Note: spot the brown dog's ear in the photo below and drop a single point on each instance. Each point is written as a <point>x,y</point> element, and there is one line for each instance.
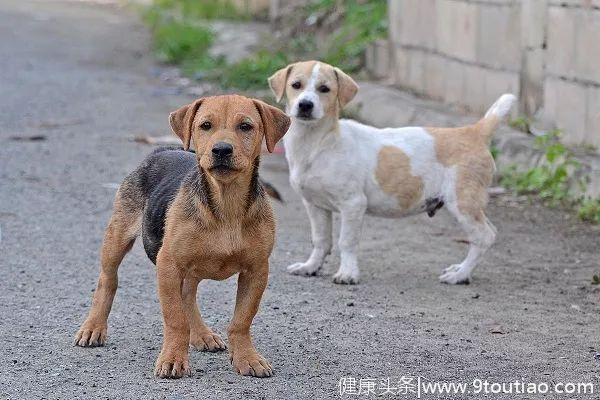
<point>347,88</point>
<point>278,80</point>
<point>274,121</point>
<point>181,122</point>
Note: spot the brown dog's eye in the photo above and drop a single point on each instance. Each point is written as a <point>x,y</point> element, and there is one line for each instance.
<point>296,85</point>
<point>245,127</point>
<point>323,89</point>
<point>205,126</point>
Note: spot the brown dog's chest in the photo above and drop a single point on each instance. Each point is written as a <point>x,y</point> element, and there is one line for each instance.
<point>221,252</point>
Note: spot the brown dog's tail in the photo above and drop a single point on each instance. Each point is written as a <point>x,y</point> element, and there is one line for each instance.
<point>496,113</point>
<point>271,191</point>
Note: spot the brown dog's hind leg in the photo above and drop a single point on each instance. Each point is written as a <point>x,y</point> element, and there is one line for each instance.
<point>202,338</point>
<point>119,237</point>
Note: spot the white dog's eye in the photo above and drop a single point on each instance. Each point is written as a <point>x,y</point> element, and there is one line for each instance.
<point>324,89</point>
<point>205,126</point>
<point>296,85</point>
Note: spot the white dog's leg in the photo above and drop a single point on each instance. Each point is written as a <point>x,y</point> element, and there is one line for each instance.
<point>320,227</point>
<point>481,234</point>
<point>352,218</point>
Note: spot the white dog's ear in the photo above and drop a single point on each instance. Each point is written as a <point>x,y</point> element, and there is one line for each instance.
<point>278,80</point>
<point>181,121</point>
<point>347,88</point>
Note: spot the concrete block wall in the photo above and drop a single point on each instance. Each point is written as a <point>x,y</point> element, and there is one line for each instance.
<point>572,81</point>
<point>467,52</point>
<point>447,49</point>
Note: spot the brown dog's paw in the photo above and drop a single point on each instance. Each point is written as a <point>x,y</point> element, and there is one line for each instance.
<point>252,364</point>
<point>207,341</point>
<point>172,366</point>
<point>91,335</point>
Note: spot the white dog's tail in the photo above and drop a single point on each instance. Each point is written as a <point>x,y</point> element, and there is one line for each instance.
<point>497,112</point>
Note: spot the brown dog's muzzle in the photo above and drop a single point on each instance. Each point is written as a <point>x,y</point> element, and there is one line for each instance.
<point>222,154</point>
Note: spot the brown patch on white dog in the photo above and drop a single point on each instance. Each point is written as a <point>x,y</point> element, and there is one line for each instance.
<point>466,149</point>
<point>395,177</point>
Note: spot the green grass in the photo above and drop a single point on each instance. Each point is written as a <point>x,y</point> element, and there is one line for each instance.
<point>199,9</point>
<point>179,42</point>
<point>252,72</point>
<point>181,37</point>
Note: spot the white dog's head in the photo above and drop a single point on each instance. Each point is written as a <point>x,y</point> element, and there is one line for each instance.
<point>314,90</point>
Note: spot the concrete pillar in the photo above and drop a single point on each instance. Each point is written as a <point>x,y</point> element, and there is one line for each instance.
<point>534,15</point>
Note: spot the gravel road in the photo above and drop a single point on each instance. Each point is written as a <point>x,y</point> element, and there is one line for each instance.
<point>81,76</point>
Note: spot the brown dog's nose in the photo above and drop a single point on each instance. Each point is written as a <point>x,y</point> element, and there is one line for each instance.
<point>222,150</point>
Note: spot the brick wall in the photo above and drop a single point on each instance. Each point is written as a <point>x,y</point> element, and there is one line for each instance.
<point>467,52</point>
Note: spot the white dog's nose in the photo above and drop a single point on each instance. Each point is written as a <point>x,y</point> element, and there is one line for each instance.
<point>306,106</point>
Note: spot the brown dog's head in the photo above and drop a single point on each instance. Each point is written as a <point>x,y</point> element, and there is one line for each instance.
<point>227,132</point>
<point>313,89</point>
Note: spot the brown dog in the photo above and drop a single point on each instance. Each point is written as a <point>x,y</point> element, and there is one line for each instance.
<point>201,217</point>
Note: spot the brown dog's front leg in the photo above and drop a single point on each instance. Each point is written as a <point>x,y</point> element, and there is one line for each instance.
<point>244,357</point>
<point>173,361</point>
<point>201,336</point>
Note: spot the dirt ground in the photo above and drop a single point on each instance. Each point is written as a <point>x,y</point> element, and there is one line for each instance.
<point>82,76</point>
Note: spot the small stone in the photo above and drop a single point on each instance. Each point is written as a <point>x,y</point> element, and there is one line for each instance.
<point>498,330</point>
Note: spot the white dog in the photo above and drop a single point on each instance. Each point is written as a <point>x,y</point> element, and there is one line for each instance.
<point>351,168</point>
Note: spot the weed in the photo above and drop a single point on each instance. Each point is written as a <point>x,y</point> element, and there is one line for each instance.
<point>520,123</point>
<point>550,180</point>
<point>589,210</point>
<point>495,151</point>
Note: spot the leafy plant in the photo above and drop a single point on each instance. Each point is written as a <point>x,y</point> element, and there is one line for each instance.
<point>362,22</point>
<point>551,180</point>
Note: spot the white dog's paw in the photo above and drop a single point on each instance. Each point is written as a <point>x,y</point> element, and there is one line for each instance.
<point>455,275</point>
<point>304,269</point>
<point>346,278</point>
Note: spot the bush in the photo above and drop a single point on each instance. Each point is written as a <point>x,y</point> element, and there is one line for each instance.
<point>176,42</point>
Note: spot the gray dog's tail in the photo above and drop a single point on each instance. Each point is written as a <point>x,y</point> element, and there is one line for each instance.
<point>271,191</point>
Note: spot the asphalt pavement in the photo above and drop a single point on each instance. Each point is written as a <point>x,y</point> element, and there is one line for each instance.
<point>77,82</point>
